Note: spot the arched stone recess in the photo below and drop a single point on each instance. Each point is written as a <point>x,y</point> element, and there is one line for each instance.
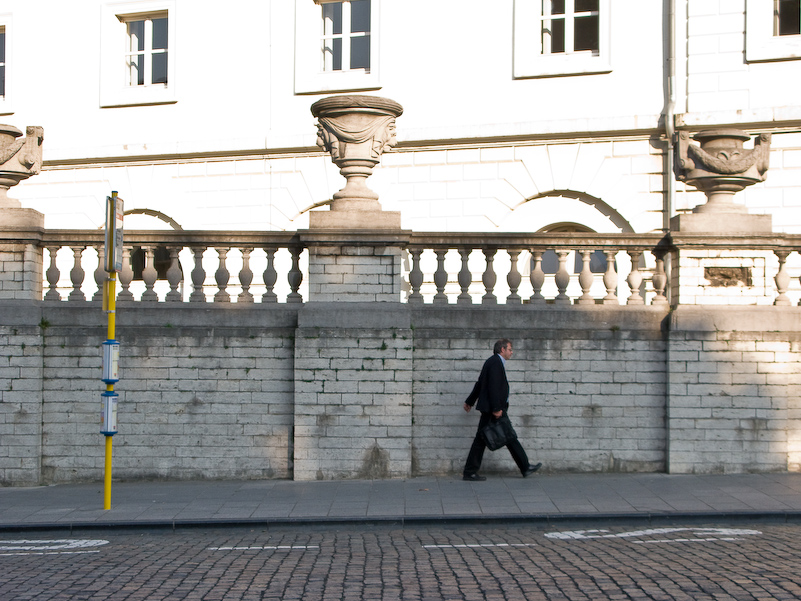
<point>545,209</point>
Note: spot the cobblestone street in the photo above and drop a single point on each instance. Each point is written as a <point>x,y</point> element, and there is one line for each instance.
<point>517,562</point>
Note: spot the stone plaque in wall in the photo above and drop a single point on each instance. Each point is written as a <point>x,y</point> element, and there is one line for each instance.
<point>728,276</point>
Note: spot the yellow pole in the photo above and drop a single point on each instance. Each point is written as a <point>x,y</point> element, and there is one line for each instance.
<point>111,305</point>
<point>107,481</point>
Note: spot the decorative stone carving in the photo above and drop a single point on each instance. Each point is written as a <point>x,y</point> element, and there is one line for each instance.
<point>356,131</point>
<point>19,159</point>
<point>720,167</point>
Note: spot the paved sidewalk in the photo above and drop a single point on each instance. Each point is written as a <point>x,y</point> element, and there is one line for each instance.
<point>541,497</point>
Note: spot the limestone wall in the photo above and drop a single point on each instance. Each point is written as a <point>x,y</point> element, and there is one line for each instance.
<point>358,390</point>
<point>734,386</point>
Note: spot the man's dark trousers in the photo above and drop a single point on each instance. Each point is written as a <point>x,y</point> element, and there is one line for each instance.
<point>477,449</point>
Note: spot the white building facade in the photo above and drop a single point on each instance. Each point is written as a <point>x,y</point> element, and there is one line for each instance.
<point>519,115</point>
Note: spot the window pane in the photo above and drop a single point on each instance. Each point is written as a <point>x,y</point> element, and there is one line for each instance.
<point>586,33</point>
<point>136,34</point>
<point>557,7</point>
<point>160,67</point>
<point>360,16</point>
<point>136,63</point>
<point>557,36</point>
<point>789,20</point>
<point>159,34</point>
<point>360,52</point>
<point>586,6</point>
<point>332,18</point>
<point>336,63</point>
<point>2,46</point>
<point>3,80</point>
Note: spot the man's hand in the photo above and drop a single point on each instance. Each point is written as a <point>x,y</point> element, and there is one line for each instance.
<point>467,407</point>
<point>497,414</point>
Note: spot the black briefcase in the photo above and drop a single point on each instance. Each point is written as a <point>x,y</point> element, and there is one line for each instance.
<point>498,433</point>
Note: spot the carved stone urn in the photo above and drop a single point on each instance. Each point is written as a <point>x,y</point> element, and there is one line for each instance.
<point>19,159</point>
<point>355,131</point>
<point>720,167</point>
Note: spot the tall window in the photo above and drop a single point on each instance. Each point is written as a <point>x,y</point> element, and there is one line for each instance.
<point>146,53</point>
<point>138,52</point>
<point>337,45</point>
<point>787,17</point>
<point>570,26</point>
<point>561,37</point>
<point>346,35</point>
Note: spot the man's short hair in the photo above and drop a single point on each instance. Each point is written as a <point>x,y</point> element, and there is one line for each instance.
<point>500,345</point>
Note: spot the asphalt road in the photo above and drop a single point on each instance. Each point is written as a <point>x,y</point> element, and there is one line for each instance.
<point>715,561</point>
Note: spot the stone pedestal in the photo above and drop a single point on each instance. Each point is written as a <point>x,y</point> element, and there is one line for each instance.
<point>20,229</point>
<point>355,248</point>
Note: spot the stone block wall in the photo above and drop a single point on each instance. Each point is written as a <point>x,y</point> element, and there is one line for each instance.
<point>354,274</point>
<point>20,394</point>
<point>354,369</point>
<point>734,382</point>
<point>375,390</point>
<point>587,386</point>
<point>723,277</point>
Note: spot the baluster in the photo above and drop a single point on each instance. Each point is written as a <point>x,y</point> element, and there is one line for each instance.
<point>245,277</point>
<point>149,276</point>
<point>513,278</point>
<point>465,278</point>
<point>635,279</point>
<point>585,279</point>
<point>537,278</point>
<point>198,276</point>
<point>782,278</point>
<point>76,275</point>
<point>440,277</point>
<point>562,278</point>
<point>221,276</point>
<point>174,276</point>
<point>100,273</point>
<point>489,278</point>
<point>659,279</point>
<point>416,276</point>
<point>295,276</point>
<point>610,278</point>
<point>53,275</point>
<point>270,277</point>
<point>126,276</point>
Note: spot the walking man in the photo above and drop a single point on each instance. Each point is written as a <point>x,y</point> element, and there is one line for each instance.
<point>492,393</point>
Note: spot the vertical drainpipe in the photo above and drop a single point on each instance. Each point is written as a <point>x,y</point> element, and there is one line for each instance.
<point>670,76</point>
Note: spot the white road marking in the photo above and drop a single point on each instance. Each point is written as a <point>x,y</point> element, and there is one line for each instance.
<point>265,548</point>
<point>701,535</point>
<point>49,547</point>
<point>483,545</point>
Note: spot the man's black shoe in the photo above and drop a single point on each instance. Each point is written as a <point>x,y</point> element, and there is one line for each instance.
<point>473,478</point>
<point>531,469</point>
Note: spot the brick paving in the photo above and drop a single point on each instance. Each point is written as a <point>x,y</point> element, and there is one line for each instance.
<point>476,561</point>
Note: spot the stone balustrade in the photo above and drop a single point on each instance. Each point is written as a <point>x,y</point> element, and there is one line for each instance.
<point>158,265</point>
<point>437,268</point>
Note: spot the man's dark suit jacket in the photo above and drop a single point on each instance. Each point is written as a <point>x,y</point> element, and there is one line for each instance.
<point>492,387</point>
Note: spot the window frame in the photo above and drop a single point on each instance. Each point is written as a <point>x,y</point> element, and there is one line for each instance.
<point>115,87</point>
<point>761,44</point>
<point>310,74</point>
<point>530,61</point>
<point>5,100</point>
